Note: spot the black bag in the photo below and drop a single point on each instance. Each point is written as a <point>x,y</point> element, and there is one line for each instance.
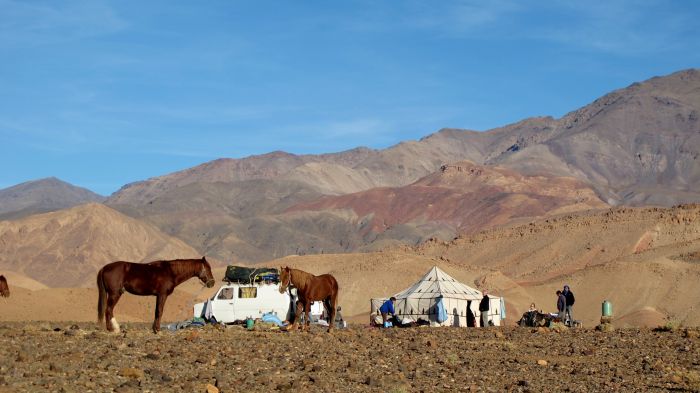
<point>249,275</point>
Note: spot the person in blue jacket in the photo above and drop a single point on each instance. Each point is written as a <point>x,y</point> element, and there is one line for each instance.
<point>386,309</point>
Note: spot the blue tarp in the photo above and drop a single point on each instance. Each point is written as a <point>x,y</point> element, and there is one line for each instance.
<point>269,317</point>
<point>194,322</point>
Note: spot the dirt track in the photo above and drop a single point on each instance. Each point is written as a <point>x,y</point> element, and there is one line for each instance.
<point>58,357</point>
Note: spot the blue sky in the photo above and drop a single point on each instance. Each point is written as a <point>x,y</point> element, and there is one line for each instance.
<point>103,93</point>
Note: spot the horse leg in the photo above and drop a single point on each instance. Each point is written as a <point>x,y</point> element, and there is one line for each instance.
<point>297,316</point>
<point>160,305</point>
<point>307,308</point>
<point>110,321</point>
<point>327,307</point>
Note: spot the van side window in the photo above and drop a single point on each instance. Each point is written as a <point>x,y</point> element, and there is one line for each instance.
<point>247,292</point>
<point>226,294</point>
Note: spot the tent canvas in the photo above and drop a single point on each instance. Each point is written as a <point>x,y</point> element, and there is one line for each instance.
<point>420,301</point>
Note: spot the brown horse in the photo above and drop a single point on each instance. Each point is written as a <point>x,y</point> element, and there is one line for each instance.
<point>310,288</point>
<point>157,278</point>
<point>4,288</point>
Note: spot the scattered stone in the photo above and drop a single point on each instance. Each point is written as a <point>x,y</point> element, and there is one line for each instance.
<point>211,388</point>
<point>357,359</point>
<point>691,334</point>
<point>131,372</point>
<point>21,357</point>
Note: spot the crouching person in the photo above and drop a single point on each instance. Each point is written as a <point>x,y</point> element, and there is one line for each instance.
<point>386,310</point>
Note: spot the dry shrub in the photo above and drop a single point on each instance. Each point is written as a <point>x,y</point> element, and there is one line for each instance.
<point>671,325</point>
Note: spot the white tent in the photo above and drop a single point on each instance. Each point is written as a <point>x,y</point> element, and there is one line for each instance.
<point>420,301</point>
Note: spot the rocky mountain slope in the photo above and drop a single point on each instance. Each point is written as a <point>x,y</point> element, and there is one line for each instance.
<point>41,196</point>
<point>630,145</point>
<point>643,260</point>
<point>66,248</point>
<point>463,197</point>
<point>636,146</point>
<point>256,220</point>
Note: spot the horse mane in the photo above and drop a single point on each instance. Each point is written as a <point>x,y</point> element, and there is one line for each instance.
<point>184,266</point>
<point>303,277</point>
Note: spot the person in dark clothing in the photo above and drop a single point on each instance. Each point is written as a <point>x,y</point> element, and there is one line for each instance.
<point>386,309</point>
<point>484,306</point>
<point>561,305</point>
<point>569,304</point>
<point>471,320</point>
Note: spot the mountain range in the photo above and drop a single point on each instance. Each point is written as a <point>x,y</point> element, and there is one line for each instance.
<point>636,146</point>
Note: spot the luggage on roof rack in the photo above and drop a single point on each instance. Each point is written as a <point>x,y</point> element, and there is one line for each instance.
<point>250,275</point>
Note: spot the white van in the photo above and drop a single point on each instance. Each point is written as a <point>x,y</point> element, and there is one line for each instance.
<point>235,302</point>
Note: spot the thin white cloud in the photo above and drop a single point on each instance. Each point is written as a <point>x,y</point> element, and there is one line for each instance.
<point>625,27</point>
<point>459,16</point>
<point>621,26</point>
<point>352,128</point>
<point>25,23</point>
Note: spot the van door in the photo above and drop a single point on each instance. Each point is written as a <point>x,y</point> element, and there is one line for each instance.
<point>247,303</point>
<point>223,305</point>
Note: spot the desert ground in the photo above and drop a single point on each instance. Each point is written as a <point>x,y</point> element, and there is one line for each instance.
<point>80,357</point>
<point>645,261</point>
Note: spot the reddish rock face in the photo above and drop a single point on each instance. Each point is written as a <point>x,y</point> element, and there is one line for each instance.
<point>466,197</point>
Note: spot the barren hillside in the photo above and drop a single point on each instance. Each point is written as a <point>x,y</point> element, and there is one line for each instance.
<point>67,247</point>
<point>640,259</point>
<point>41,196</point>
<point>80,304</point>
<point>639,145</point>
<point>463,197</point>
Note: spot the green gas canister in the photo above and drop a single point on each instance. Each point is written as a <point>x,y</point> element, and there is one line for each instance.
<point>607,308</point>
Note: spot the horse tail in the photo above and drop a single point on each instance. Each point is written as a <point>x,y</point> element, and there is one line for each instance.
<point>102,297</point>
<point>334,295</point>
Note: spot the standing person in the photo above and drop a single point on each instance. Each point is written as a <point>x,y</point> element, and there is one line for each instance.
<point>339,321</point>
<point>484,306</point>
<point>569,304</point>
<point>386,309</point>
<point>561,305</point>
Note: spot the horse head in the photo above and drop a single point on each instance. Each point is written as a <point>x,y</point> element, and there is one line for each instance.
<point>205,275</point>
<point>285,278</point>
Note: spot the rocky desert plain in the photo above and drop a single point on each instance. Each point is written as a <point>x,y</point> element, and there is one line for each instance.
<point>604,199</point>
